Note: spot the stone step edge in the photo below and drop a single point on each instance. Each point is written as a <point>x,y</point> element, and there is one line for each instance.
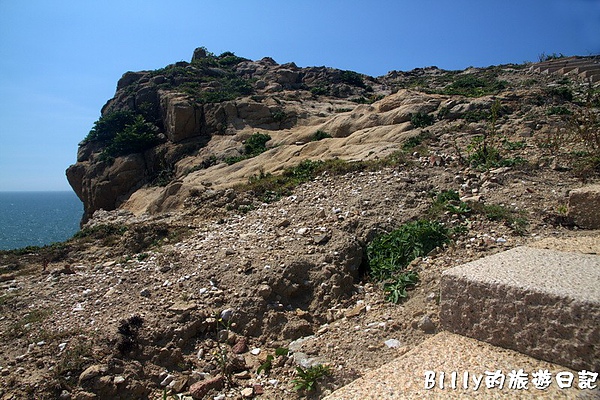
<point>405,377</point>
<point>515,299</point>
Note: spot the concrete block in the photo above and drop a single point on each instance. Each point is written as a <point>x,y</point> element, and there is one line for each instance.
<point>542,303</point>
<point>584,207</point>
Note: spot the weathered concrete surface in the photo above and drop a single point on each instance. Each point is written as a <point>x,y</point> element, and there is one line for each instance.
<point>584,206</point>
<point>404,378</point>
<point>543,303</point>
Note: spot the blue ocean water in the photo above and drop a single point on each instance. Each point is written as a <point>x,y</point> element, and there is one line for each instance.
<point>37,218</point>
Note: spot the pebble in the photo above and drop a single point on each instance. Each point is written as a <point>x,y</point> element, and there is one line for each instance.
<point>392,343</point>
<point>247,392</point>
<point>255,351</point>
<point>227,314</point>
<point>426,325</point>
<point>168,379</point>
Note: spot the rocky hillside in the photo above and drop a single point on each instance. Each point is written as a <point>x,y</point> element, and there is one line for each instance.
<point>242,217</point>
<point>177,131</point>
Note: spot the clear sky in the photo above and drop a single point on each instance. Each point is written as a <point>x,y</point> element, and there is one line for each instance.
<point>60,60</point>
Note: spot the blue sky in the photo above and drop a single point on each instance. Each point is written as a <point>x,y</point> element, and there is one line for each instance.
<point>60,60</point>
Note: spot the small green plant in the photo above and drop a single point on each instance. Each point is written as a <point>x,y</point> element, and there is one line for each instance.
<point>558,110</point>
<point>415,141</point>
<point>23,325</point>
<point>395,290</point>
<point>268,364</point>
<point>476,115</point>
<point>560,93</point>
<point>484,153</point>
<point>320,135</point>
<point>421,120</point>
<point>222,356</point>
<point>495,212</point>
<point>447,200</point>
<point>388,255</point>
<point>307,378</point>
<point>508,145</point>
<point>73,360</point>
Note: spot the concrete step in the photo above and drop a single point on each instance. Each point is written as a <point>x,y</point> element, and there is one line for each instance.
<point>592,74</point>
<point>410,376</point>
<point>543,303</point>
<point>556,65</point>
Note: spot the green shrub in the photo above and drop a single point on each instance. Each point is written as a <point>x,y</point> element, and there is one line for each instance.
<point>279,116</point>
<point>352,78</point>
<point>417,140</point>
<point>421,120</point>
<point>471,85</point>
<point>319,90</point>
<point>228,59</point>
<point>320,135</point>
<point>256,144</point>
<point>135,137</point>
<point>107,126</point>
<point>390,254</point>
<point>560,93</point>
<point>123,132</point>
<point>107,233</point>
<point>476,115</point>
<point>482,154</point>
<point>231,88</point>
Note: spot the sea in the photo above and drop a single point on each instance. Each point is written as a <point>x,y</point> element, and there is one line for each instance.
<point>37,218</point>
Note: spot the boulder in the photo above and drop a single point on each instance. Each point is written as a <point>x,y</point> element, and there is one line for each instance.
<point>128,78</point>
<point>103,186</point>
<point>199,389</point>
<point>182,118</point>
<point>199,53</point>
<point>584,207</point>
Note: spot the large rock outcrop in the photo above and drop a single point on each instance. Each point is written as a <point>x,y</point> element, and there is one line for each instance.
<point>187,104</point>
